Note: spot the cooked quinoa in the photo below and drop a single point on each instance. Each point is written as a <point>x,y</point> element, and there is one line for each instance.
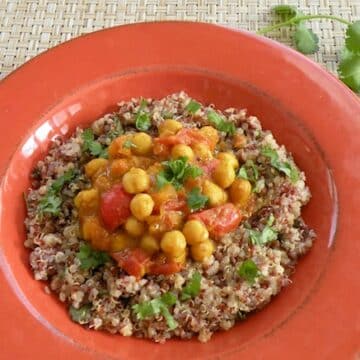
<point>103,298</point>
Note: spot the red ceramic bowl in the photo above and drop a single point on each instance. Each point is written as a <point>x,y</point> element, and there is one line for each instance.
<point>307,109</point>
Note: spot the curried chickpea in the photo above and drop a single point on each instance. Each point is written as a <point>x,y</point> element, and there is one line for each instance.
<point>93,231</point>
<point>180,150</point>
<point>195,232</point>
<point>135,181</point>
<point>169,127</point>
<point>141,206</point>
<point>87,200</point>
<point>119,167</point>
<point>149,244</point>
<point>224,174</point>
<point>240,192</point>
<point>93,166</point>
<point>239,141</point>
<point>121,241</point>
<point>216,195</point>
<point>180,258</point>
<point>229,157</point>
<point>202,251</point>
<point>211,133</point>
<point>142,143</point>
<point>134,227</point>
<point>202,151</point>
<point>173,243</point>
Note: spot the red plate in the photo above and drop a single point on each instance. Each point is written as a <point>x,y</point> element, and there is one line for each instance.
<point>308,110</point>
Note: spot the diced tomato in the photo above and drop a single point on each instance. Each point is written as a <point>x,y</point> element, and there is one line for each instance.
<point>174,204</point>
<point>219,220</point>
<point>209,166</point>
<point>133,261</point>
<point>185,136</point>
<point>164,268</point>
<point>115,207</point>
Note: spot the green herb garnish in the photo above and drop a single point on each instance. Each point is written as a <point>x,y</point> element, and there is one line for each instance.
<point>81,315</point>
<point>51,202</point>
<point>306,41</point>
<point>192,107</point>
<point>192,288</point>
<point>91,259</point>
<point>196,200</point>
<point>142,118</point>
<point>91,145</point>
<point>157,306</point>
<point>128,144</point>
<point>220,123</point>
<point>249,271</point>
<point>267,234</point>
<point>249,171</point>
<point>283,166</point>
<point>175,172</point>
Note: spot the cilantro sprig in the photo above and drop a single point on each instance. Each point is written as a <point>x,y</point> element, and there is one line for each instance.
<point>267,234</point>
<point>91,259</point>
<point>51,202</point>
<point>220,123</point>
<point>192,107</point>
<point>196,200</point>
<point>306,41</point>
<point>157,306</point>
<point>192,288</point>
<point>92,146</point>
<point>249,271</point>
<point>283,166</point>
<point>142,118</point>
<point>175,172</point>
<point>249,171</point>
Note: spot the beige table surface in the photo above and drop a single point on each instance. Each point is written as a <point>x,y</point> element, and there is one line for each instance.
<point>28,27</point>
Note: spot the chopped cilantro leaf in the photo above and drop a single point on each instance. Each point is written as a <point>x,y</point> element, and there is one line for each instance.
<point>81,315</point>
<point>91,259</point>
<point>192,288</point>
<point>248,271</point>
<point>249,171</point>
<point>282,166</point>
<point>90,144</point>
<point>142,121</point>
<point>196,200</point>
<point>268,234</point>
<point>219,122</point>
<point>117,128</point>
<point>157,306</point>
<point>175,172</point>
<point>192,107</point>
<point>128,144</point>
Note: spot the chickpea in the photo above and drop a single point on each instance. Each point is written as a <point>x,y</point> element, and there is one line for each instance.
<point>102,183</point>
<point>240,191</point>
<point>224,174</point>
<point>180,259</point>
<point>134,227</point>
<point>202,251</point>
<point>169,127</point>
<point>93,231</point>
<point>180,150</point>
<point>195,232</point>
<point>173,243</point>
<point>211,133</point>
<point>141,206</point>
<point>117,149</point>
<point>150,244</point>
<point>136,180</point>
<point>202,151</point>
<point>93,166</point>
<point>122,241</point>
<point>216,195</point>
<point>229,157</point>
<point>142,143</point>
<point>87,200</point>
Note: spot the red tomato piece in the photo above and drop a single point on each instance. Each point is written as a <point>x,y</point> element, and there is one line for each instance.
<point>219,220</point>
<point>133,261</point>
<point>166,268</point>
<point>115,207</point>
<point>174,204</point>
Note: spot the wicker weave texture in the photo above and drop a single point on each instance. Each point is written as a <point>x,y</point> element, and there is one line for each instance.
<point>28,27</point>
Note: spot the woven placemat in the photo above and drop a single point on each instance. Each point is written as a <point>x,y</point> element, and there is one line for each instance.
<point>28,27</point>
